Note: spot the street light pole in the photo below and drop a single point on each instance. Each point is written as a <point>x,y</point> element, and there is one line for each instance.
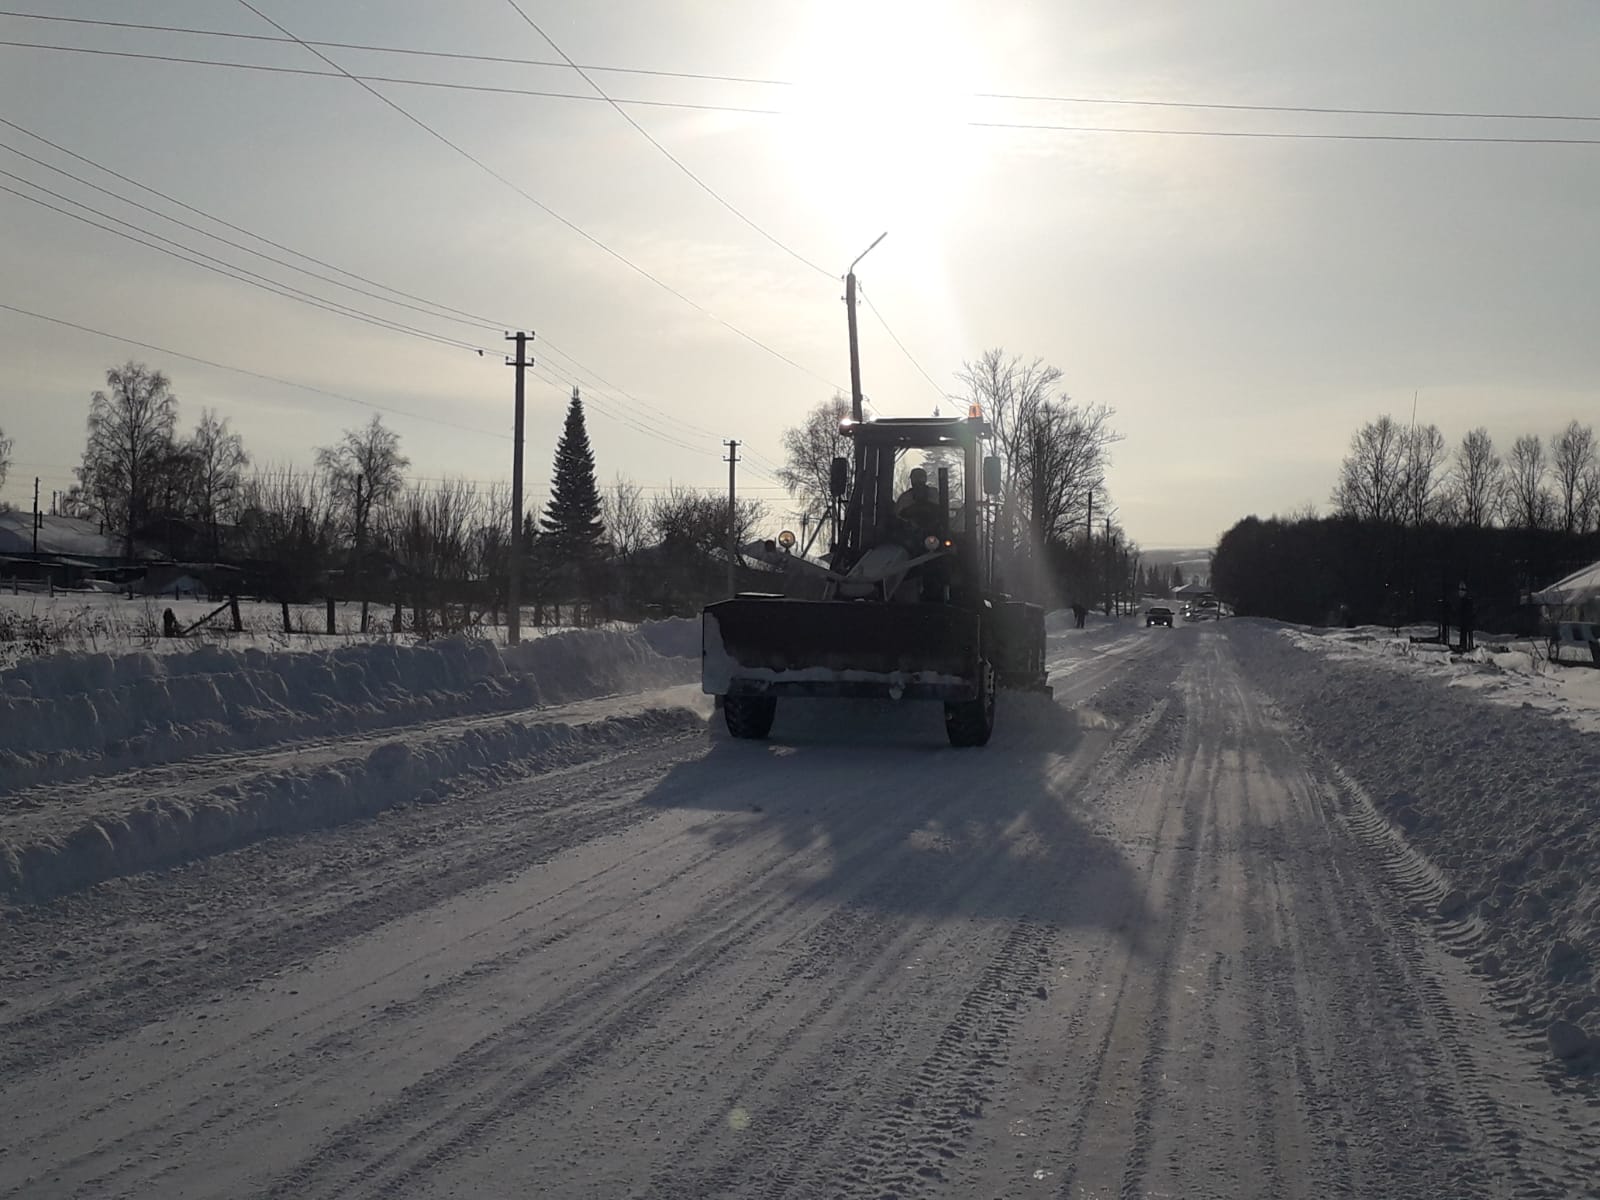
<point>855,351</point>
<point>859,456</point>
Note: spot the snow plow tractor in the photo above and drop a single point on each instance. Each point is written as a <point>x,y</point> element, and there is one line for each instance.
<point>900,607</point>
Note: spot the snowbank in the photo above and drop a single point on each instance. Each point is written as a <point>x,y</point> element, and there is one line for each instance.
<point>67,715</point>
<point>1502,670</point>
<point>678,637</point>
<point>1503,799</point>
<point>160,831</point>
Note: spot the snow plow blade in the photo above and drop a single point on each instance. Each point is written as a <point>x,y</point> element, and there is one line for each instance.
<point>830,648</point>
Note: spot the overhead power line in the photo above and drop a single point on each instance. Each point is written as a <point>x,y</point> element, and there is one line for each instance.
<point>712,77</point>
<point>910,358</point>
<point>199,212</point>
<point>670,157</point>
<point>581,372</point>
<point>222,366</point>
<point>543,207</point>
<point>1293,135</point>
<point>207,262</point>
<point>268,69</point>
<point>407,50</point>
<point>282,262</point>
<point>1290,135</point>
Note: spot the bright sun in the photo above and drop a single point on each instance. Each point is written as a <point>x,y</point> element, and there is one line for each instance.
<point>877,133</point>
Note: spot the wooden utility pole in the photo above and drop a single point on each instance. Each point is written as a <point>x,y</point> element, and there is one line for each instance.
<point>860,455</point>
<point>1108,566</point>
<point>514,583</point>
<point>733,517</point>
<point>1088,550</point>
<point>36,515</point>
<point>361,562</point>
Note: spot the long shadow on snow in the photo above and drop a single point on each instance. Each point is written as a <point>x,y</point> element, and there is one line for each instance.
<point>909,825</point>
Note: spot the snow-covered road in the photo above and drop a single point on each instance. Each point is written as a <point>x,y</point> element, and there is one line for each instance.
<point>1147,943</point>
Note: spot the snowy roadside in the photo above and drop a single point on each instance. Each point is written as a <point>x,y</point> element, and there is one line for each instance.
<point>1499,793</point>
<point>66,716</point>
<point>64,848</point>
<point>1502,670</point>
<point>453,712</point>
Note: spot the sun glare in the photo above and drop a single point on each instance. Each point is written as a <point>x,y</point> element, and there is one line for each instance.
<point>878,134</point>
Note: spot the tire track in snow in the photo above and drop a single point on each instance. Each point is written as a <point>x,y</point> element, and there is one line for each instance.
<point>752,907</point>
<point>34,1040</point>
<point>1421,1045</point>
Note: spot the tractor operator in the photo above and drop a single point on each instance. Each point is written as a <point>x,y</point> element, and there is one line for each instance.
<point>918,506</point>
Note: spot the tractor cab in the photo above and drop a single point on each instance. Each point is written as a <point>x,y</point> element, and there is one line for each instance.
<point>900,607</point>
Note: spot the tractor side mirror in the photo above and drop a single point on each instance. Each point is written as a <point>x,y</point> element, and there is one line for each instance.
<point>838,477</point>
<point>991,475</point>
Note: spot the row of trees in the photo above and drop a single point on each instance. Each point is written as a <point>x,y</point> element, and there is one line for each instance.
<point>1342,570</point>
<point>1399,474</point>
<point>355,525</point>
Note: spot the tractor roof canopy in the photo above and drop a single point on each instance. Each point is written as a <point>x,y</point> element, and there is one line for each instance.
<point>917,431</point>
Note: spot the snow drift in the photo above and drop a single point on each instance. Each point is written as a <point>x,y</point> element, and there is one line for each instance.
<point>161,831</point>
<point>73,715</point>
<point>1503,801</point>
<point>69,715</point>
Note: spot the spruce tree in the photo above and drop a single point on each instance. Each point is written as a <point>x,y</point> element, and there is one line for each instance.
<point>572,518</point>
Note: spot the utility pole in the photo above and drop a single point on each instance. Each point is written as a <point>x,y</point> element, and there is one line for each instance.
<point>514,583</point>
<point>35,515</point>
<point>360,564</point>
<point>860,455</point>
<point>733,517</point>
<point>1108,566</point>
<point>1088,545</point>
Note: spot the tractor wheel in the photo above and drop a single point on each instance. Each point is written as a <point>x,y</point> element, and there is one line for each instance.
<point>970,722</point>
<point>749,716</point>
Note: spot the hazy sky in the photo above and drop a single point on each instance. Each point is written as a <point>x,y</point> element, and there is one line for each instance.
<point>1242,303</point>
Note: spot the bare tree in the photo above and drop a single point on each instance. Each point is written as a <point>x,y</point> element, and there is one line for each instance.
<point>491,541</point>
<point>697,522</point>
<point>286,523</point>
<point>429,530</point>
<point>218,462</point>
<point>364,472</point>
<point>1055,453</point>
<point>1589,498</point>
<point>809,450</point>
<point>5,456</point>
<point>1063,459</point>
<point>1371,483</point>
<point>130,436</point>
<point>626,517</point>
<point>1422,473</point>
<point>1572,462</point>
<point>1476,480</point>
<point>1528,502</point>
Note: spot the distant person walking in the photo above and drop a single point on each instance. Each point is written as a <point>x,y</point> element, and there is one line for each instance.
<point>1466,615</point>
<point>1079,613</point>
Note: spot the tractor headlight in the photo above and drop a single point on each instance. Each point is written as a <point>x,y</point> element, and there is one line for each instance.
<point>786,539</point>
<point>931,543</point>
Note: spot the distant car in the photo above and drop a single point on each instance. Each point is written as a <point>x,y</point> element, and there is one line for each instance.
<point>1158,614</point>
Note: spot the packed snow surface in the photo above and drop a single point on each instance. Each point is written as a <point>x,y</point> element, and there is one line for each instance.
<point>1229,916</point>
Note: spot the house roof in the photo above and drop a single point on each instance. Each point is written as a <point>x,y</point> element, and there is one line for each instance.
<point>1578,588</point>
<point>65,536</point>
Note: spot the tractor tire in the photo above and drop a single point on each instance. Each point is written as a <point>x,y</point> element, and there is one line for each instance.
<point>971,722</point>
<point>749,716</point>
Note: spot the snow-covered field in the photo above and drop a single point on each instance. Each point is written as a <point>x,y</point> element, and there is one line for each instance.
<point>1242,911</point>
